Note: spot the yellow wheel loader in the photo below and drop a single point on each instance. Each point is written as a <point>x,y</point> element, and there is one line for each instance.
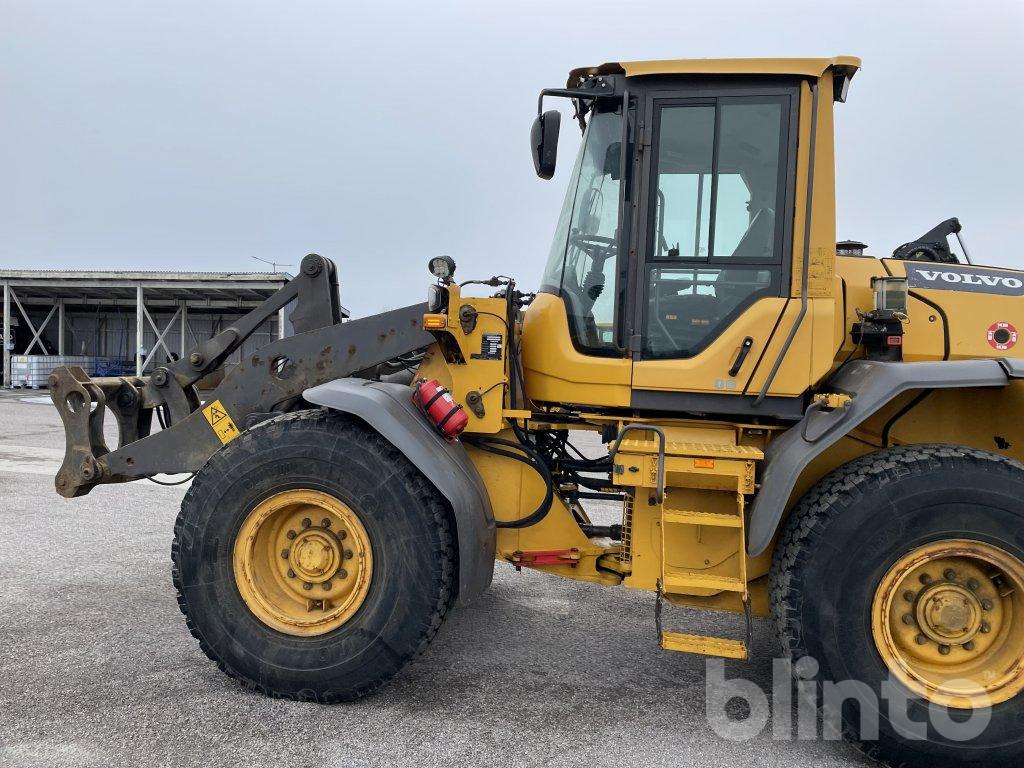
<point>792,429</point>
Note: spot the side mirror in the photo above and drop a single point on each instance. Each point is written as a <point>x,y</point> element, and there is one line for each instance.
<point>544,142</point>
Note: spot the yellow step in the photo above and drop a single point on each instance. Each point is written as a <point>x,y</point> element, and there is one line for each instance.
<point>707,646</point>
<point>675,581</point>
<point>688,517</point>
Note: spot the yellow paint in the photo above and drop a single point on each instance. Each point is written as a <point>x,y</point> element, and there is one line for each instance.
<point>515,491</point>
<point>693,542</point>
<point>556,372</point>
<point>458,360</point>
<point>302,562</point>
<point>219,419</point>
<point>946,631</point>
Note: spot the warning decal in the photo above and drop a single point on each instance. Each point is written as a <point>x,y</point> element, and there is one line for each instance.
<point>1002,336</point>
<point>222,424</point>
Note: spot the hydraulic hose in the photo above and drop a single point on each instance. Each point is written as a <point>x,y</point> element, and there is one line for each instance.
<point>529,457</point>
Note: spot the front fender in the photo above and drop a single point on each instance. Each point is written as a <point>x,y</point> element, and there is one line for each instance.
<point>389,410</point>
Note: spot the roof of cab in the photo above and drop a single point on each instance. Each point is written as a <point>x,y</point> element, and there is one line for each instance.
<point>800,67</point>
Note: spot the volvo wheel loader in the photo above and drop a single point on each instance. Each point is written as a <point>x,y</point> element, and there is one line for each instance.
<point>792,430</point>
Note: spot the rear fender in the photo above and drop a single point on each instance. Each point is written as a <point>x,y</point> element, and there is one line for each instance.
<point>870,384</point>
<point>389,410</point>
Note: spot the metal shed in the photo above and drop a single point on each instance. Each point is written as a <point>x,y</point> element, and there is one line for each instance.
<point>140,317</point>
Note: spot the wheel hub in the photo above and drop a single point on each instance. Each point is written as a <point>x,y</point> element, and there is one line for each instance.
<point>943,623</point>
<point>303,562</point>
<point>316,555</point>
<point>949,613</point>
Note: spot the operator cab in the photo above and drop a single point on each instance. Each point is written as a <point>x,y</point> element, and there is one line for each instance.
<point>674,253</point>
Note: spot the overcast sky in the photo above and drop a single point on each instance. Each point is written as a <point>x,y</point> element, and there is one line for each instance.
<point>195,135</point>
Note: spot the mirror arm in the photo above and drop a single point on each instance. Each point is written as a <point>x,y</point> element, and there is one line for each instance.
<point>600,89</point>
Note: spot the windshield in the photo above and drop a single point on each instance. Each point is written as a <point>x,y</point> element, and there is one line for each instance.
<point>581,266</point>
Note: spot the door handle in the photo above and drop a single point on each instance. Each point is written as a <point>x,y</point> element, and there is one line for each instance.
<point>742,356</point>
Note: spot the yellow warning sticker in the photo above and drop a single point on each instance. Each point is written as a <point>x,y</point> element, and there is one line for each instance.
<point>222,424</point>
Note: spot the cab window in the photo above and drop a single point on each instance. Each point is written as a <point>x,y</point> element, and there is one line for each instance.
<point>582,265</point>
<point>715,242</point>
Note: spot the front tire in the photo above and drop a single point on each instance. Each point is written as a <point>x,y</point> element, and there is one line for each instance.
<point>312,560</point>
<point>905,567</point>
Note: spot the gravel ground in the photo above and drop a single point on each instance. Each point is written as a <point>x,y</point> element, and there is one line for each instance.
<point>98,669</point>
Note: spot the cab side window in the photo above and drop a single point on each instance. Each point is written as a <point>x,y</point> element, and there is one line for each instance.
<point>715,229</point>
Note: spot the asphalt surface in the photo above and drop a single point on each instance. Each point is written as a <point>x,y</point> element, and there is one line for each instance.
<point>98,669</point>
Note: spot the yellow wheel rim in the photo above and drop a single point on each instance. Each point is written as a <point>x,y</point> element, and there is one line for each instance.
<point>943,621</point>
<point>302,562</point>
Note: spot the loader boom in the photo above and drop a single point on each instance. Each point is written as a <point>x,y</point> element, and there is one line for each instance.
<point>267,382</point>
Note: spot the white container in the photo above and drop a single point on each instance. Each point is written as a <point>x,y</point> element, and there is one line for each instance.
<point>33,371</point>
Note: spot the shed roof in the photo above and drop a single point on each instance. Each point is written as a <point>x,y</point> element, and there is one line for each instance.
<point>224,290</point>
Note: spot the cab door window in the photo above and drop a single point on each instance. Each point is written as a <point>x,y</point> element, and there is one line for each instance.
<point>715,242</point>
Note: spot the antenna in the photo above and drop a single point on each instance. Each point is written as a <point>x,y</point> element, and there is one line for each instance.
<point>273,264</point>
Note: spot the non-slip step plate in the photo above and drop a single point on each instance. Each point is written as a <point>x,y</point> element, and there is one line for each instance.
<point>706,646</point>
<point>687,517</point>
<point>675,581</point>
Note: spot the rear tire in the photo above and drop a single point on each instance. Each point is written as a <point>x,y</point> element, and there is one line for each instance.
<point>839,547</point>
<point>410,532</point>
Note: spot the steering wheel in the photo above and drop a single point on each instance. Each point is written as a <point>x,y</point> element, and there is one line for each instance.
<point>597,247</point>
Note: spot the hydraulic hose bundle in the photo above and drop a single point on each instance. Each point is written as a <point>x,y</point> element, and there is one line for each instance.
<point>527,455</point>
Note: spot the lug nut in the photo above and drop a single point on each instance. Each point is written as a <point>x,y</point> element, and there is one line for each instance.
<point>909,596</point>
<point>968,646</point>
<point>926,579</point>
<point>949,574</point>
<point>306,585</point>
<point>291,574</point>
<point>986,604</point>
<point>285,553</point>
<point>292,534</point>
<point>326,585</point>
<point>944,650</point>
<point>326,522</point>
<point>908,618</point>
<point>348,554</point>
<point>920,639</point>
<point>985,627</point>
<point>342,534</point>
<point>342,573</point>
<point>973,585</point>
<point>306,522</point>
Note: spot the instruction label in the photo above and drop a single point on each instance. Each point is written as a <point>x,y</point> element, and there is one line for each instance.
<point>221,422</point>
<point>490,347</point>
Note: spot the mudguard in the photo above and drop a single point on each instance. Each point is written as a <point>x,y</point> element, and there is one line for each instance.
<point>388,409</point>
<point>870,384</point>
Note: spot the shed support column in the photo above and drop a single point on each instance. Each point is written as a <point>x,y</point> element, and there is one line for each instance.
<point>8,338</point>
<point>60,326</point>
<point>139,330</point>
<point>280,323</point>
<point>184,328</point>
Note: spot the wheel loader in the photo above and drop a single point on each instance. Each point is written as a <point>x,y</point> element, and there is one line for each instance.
<point>792,429</point>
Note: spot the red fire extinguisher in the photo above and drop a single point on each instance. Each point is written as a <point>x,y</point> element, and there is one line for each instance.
<point>436,403</point>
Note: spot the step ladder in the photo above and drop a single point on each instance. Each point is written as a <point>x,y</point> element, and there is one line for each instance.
<point>726,473</point>
<point>725,469</point>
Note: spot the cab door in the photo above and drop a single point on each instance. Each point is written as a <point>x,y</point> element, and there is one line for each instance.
<point>712,271</point>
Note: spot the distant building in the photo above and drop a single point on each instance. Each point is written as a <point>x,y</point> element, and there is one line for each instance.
<point>118,323</point>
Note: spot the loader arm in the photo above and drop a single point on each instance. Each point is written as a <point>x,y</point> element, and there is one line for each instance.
<point>270,380</point>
